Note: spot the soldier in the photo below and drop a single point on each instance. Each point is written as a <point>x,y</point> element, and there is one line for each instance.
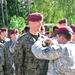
<point>42,30</point>
<point>25,61</point>
<point>63,22</point>
<point>47,33</point>
<point>26,29</point>
<point>2,59</point>
<point>3,35</point>
<point>9,52</point>
<point>54,37</point>
<point>61,56</point>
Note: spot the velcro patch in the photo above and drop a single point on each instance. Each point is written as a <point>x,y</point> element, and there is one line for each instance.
<point>47,49</point>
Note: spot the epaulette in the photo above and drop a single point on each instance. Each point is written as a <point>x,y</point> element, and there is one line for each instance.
<point>24,35</point>
<point>2,45</point>
<point>55,47</point>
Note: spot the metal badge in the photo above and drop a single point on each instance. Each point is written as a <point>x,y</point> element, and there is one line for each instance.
<point>11,49</point>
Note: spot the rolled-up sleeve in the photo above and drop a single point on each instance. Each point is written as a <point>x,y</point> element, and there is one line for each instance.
<point>52,52</point>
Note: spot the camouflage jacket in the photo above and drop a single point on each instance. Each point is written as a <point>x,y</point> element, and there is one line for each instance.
<point>61,57</point>
<point>3,41</point>
<point>2,59</point>
<point>9,56</point>
<point>25,62</point>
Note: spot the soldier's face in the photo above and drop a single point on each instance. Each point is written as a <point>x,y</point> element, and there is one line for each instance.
<point>14,36</point>
<point>73,37</point>
<point>60,39</point>
<point>35,25</point>
<point>5,33</point>
<point>63,24</point>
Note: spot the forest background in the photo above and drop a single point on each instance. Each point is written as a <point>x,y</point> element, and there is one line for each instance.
<point>13,13</point>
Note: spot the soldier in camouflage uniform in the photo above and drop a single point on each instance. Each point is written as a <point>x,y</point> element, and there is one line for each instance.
<point>63,22</point>
<point>3,35</point>
<point>2,59</point>
<point>61,56</point>
<point>25,61</point>
<point>9,52</point>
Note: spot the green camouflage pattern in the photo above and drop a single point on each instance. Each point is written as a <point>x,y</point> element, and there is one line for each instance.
<point>9,56</point>
<point>2,59</point>
<point>3,41</point>
<point>25,62</point>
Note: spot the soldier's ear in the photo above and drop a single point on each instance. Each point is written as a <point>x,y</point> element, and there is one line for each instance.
<point>62,38</point>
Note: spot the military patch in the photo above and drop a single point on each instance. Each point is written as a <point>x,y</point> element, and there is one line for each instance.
<point>55,47</point>
<point>11,49</point>
<point>17,42</point>
<point>46,50</point>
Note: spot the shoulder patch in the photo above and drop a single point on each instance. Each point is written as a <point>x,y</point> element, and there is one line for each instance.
<point>17,42</point>
<point>50,48</point>
<point>55,47</point>
<point>46,50</point>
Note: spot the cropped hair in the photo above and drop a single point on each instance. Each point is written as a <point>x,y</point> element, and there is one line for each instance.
<point>67,35</point>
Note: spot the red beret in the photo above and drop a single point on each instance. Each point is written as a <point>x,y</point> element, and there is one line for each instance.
<point>47,32</point>
<point>35,17</point>
<point>64,29</point>
<point>3,29</point>
<point>63,21</point>
<point>42,28</point>
<point>14,31</point>
<point>55,27</point>
<point>73,27</point>
<point>23,31</point>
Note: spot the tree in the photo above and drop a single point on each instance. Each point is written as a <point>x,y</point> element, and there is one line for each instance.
<point>17,22</point>
<point>53,10</point>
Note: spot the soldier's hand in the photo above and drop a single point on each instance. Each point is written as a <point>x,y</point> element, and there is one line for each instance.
<point>49,41</point>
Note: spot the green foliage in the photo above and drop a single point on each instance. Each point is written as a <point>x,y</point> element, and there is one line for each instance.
<point>53,10</point>
<point>17,22</point>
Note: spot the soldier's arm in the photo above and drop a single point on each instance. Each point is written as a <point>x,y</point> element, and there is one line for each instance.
<point>52,52</point>
<point>5,55</point>
<point>2,58</point>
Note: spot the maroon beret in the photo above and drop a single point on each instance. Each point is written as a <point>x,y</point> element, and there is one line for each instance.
<point>23,31</point>
<point>64,29</point>
<point>73,27</point>
<point>55,27</point>
<point>35,17</point>
<point>42,28</point>
<point>3,29</point>
<point>47,32</point>
<point>62,21</point>
<point>14,31</point>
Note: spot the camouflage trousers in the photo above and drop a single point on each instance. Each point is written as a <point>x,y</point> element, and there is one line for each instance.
<point>9,73</point>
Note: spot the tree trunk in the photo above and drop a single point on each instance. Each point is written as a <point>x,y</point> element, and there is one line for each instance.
<point>6,11</point>
<point>3,20</point>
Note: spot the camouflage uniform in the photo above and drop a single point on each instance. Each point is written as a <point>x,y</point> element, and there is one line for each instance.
<point>2,59</point>
<point>9,55</point>
<point>25,62</point>
<point>61,57</point>
<point>3,41</point>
